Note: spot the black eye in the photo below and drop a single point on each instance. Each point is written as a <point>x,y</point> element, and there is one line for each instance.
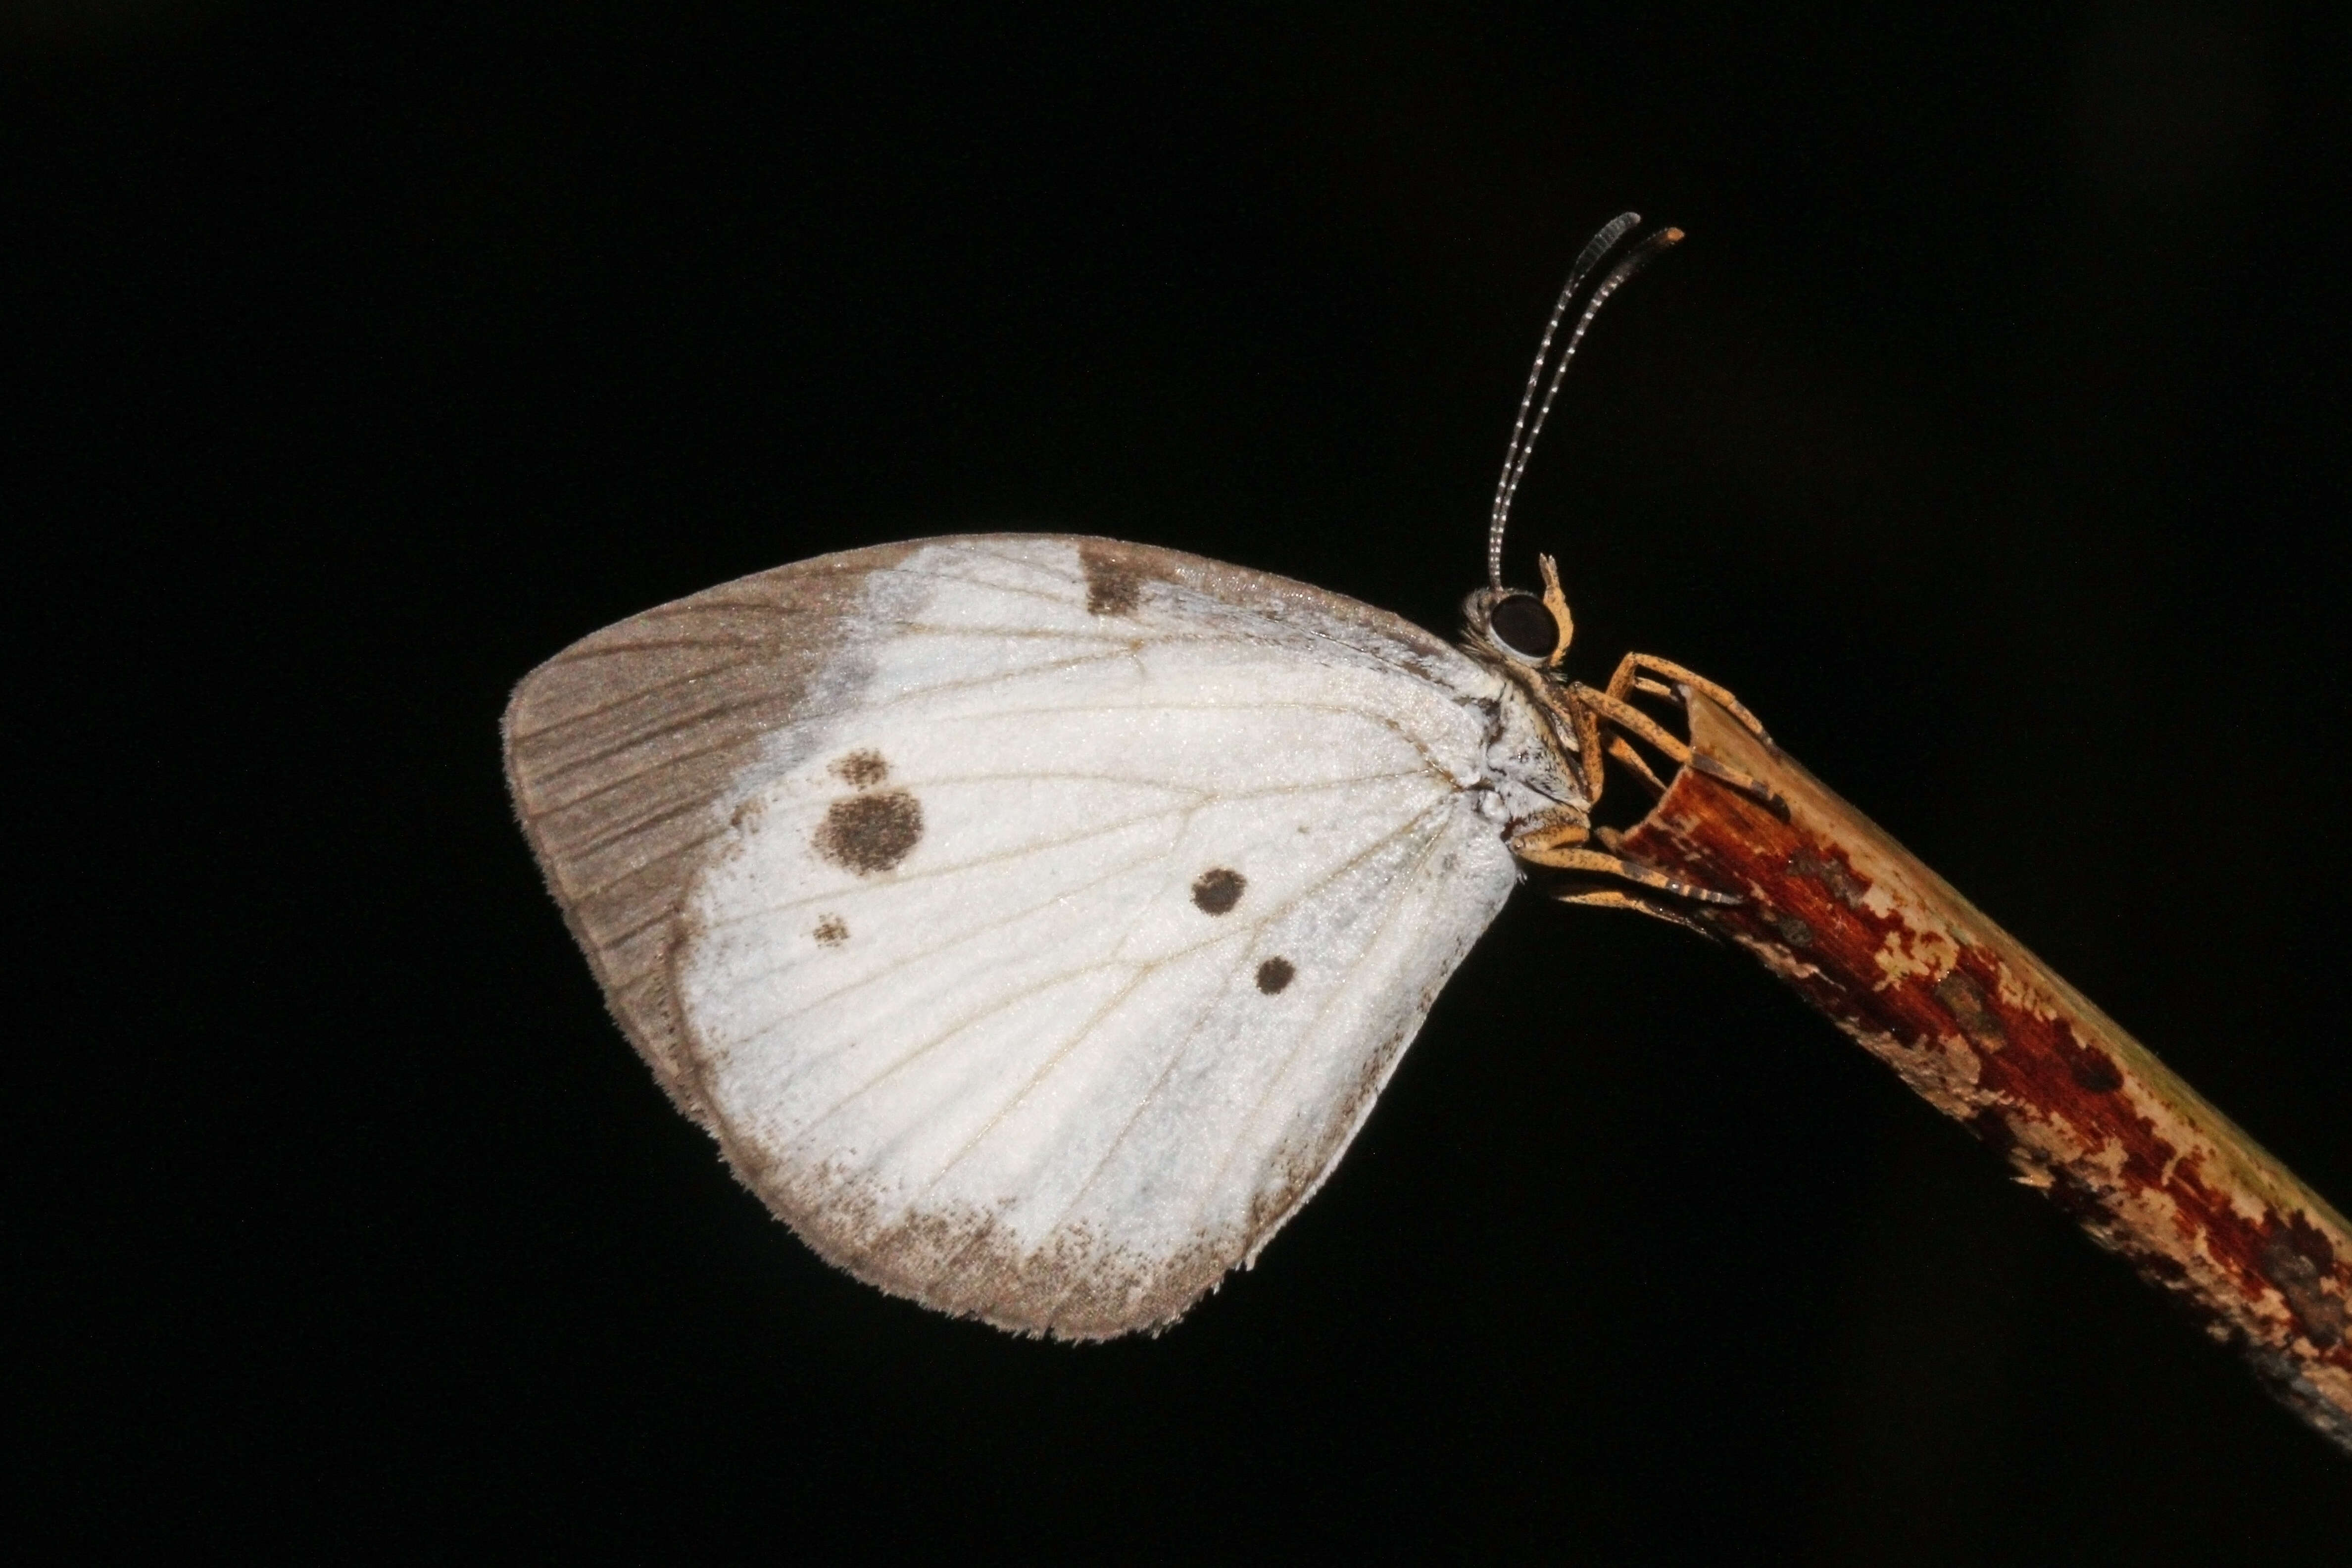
<point>1521,623</point>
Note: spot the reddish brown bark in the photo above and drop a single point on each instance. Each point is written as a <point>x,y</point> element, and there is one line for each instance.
<point>1988,1035</point>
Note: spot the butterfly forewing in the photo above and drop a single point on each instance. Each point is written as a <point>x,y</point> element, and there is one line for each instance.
<point>1032,919</point>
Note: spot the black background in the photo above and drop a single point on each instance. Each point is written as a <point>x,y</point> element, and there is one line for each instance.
<point>1987,437</point>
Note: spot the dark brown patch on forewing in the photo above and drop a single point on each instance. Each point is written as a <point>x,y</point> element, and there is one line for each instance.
<point>1114,581</point>
<point>1274,974</point>
<point>831,932</point>
<point>861,769</point>
<point>870,832</point>
<point>1218,890</point>
<point>1379,632</point>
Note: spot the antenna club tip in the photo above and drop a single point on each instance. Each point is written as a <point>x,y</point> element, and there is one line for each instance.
<point>1672,236</point>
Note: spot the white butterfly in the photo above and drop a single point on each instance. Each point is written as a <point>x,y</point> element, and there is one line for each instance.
<point>1034,918</point>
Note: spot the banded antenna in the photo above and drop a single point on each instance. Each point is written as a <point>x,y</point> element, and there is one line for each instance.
<point>1523,433</point>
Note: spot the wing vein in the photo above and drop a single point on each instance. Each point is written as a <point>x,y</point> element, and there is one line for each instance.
<point>892,881</point>
<point>1145,966</point>
<point>1184,1046</point>
<point>1395,909</point>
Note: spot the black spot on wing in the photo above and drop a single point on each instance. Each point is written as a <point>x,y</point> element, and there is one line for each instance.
<point>861,770</point>
<point>870,832</point>
<point>1274,974</point>
<point>831,932</point>
<point>1218,890</point>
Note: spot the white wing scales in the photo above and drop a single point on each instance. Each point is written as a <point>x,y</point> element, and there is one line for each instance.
<point>1045,956</point>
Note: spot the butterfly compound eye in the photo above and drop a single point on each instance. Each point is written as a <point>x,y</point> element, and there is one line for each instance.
<point>1521,623</point>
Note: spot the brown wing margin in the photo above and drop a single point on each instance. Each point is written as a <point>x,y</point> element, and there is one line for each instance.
<point>618,747</point>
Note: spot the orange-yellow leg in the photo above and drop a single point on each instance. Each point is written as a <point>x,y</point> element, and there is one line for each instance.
<point>1633,763</point>
<point>1642,726</point>
<point>1566,859</point>
<point>1640,903</point>
<point>1633,665</point>
<point>1562,828</point>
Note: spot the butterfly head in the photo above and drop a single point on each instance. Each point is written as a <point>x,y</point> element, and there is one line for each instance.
<point>1520,628</point>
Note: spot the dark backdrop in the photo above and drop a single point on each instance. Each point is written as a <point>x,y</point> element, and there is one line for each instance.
<point>1987,437</point>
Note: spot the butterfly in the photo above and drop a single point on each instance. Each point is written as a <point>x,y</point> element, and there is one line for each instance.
<point>1034,918</point>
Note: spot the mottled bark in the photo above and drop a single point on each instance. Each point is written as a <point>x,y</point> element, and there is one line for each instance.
<point>1988,1035</point>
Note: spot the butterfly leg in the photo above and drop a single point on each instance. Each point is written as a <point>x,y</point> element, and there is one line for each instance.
<point>1635,763</point>
<point>1556,839</point>
<point>1633,721</point>
<point>1559,828</point>
<point>1565,858</point>
<point>1634,672</point>
<point>1640,903</point>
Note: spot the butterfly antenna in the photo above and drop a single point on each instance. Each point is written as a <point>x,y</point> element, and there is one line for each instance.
<point>1523,432</point>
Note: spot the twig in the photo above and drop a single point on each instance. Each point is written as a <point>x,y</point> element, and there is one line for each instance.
<point>1988,1035</point>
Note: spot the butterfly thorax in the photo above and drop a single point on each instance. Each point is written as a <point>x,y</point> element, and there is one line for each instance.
<point>1532,766</point>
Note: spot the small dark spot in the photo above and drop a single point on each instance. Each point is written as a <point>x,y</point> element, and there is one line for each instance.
<point>1218,890</point>
<point>1849,888</point>
<point>1274,974</point>
<point>870,832</point>
<point>1112,585</point>
<point>831,932</point>
<point>862,770</point>
<point>1972,1010</point>
<point>1991,1126</point>
<point>2091,1069</point>
<point>2298,1279</point>
<point>2078,1201</point>
<point>1793,930</point>
<point>2308,1239</point>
